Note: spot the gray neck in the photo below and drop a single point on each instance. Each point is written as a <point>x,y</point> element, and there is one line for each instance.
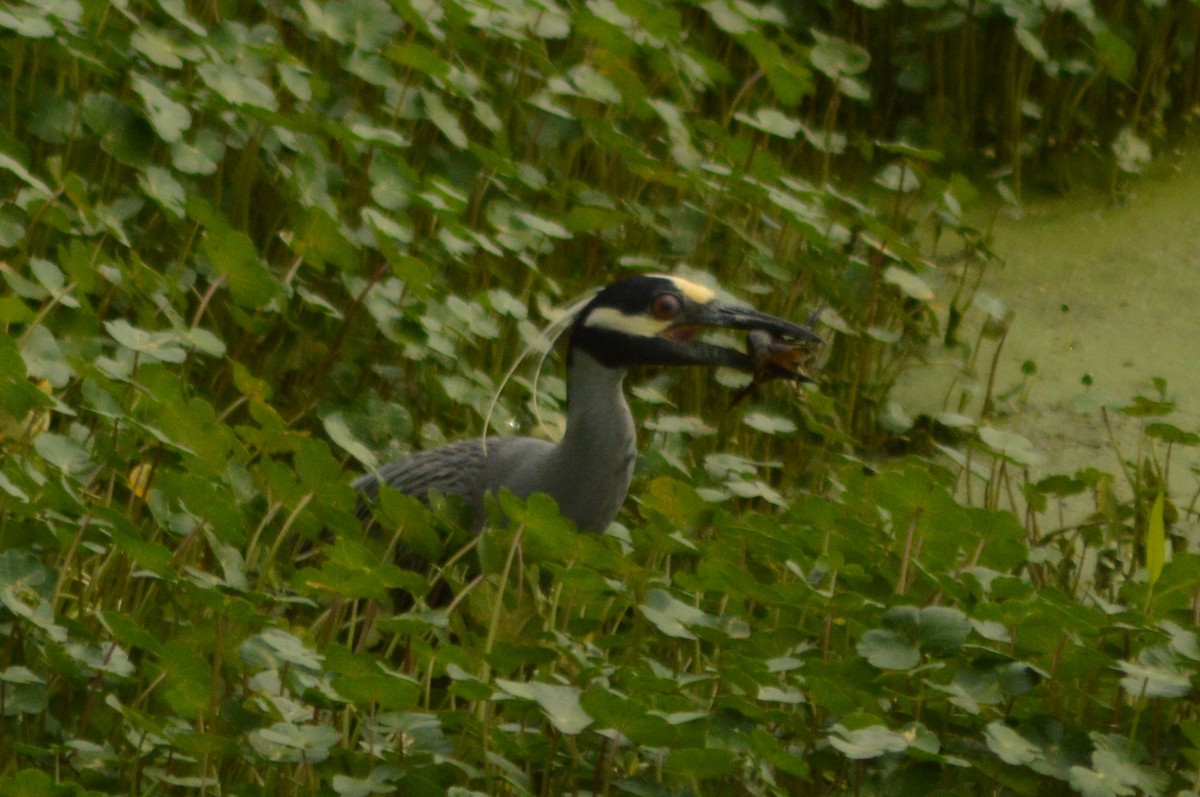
<point>593,463</point>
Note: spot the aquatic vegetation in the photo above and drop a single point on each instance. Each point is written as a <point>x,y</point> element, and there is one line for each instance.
<point>252,248</point>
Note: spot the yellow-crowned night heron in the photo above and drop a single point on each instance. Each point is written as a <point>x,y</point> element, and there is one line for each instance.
<point>644,320</point>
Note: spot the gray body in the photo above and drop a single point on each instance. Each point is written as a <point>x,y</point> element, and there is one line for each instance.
<point>587,473</point>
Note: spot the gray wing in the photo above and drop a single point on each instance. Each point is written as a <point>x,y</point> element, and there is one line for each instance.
<point>463,469</point>
<point>454,469</point>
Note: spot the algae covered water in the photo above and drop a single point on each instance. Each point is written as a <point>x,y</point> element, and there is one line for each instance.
<point>1105,298</point>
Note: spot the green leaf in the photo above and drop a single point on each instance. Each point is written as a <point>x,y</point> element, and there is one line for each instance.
<point>285,742</point>
<point>836,57</point>
<point>150,555</point>
<point>560,703</point>
<point>771,121</point>
<point>547,227</point>
<point>13,490</point>
<point>63,453</point>
<point>907,150</point>
<point>27,590</point>
<point>1170,433</point>
<point>1116,770</point>
<point>1115,55</point>
<point>276,648</point>
<point>420,58</point>
<point>934,630</point>
<point>1031,44</point>
<point>10,164</point>
<point>26,21</point>
<point>869,742</point>
<point>352,570</point>
<point>168,117</point>
<point>789,78</point>
<point>233,256</point>
<point>381,780</point>
<point>673,617</point>
<point>161,186</point>
<point>25,692</point>
<point>365,680</point>
<point>108,658</point>
<point>122,132</point>
<point>178,12</point>
<point>51,278</point>
<point>505,303</point>
<point>1010,746</point>
<point>30,782</point>
<point>627,714</point>
<point>1158,672</point>
<point>591,84</point>
<point>236,87</point>
<point>888,650</point>
<point>1143,407</point>
<point>549,537</point>
<point>727,17</point>
<point>679,424</point>
<point>128,631</point>
<point>446,121</point>
<point>12,230</point>
<point>586,218</point>
<point>769,424</point>
<point>755,488</point>
<point>201,155</point>
<point>325,241</point>
<point>909,283</point>
<point>1010,446</point>
<point>898,177</point>
<point>942,630</point>
<point>683,149</point>
<point>44,358</point>
<point>775,694</point>
<point>677,501</point>
<point>702,763</point>
<point>231,561</point>
<point>163,346</point>
<point>160,47</point>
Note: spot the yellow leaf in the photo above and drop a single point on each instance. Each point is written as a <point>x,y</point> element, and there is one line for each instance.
<point>139,480</point>
<point>1156,541</point>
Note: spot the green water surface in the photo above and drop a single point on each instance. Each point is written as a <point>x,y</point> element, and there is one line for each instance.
<point>1103,292</point>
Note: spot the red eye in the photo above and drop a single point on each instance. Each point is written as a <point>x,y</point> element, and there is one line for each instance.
<point>666,306</point>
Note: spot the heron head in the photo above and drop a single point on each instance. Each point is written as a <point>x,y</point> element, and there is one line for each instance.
<point>655,320</point>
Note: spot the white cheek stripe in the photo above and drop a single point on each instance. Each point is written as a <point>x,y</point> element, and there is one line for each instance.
<point>609,318</point>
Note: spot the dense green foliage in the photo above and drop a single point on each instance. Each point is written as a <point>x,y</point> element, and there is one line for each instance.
<point>251,248</point>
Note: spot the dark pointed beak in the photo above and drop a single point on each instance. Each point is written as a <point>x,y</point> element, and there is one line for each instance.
<point>759,357</point>
<point>716,314</point>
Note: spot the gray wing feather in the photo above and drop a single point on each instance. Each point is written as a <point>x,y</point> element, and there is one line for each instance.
<point>464,469</point>
<point>454,469</point>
